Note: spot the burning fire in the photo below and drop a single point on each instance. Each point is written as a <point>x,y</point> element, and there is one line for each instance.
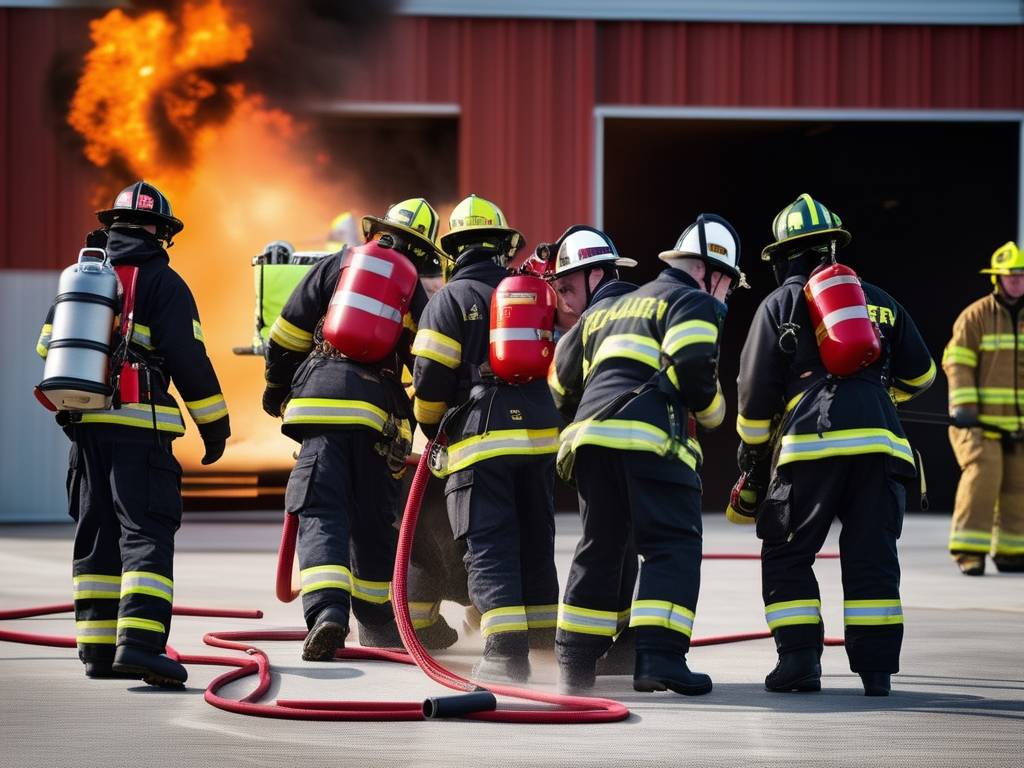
<point>155,102</point>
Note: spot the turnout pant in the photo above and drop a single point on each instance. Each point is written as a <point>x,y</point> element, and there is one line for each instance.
<point>802,500</point>
<point>989,511</point>
<point>124,492</point>
<point>346,500</point>
<point>632,502</point>
<point>504,509</point>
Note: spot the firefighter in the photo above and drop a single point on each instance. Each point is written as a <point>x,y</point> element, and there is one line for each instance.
<point>501,440</point>
<point>817,446</point>
<point>582,283</point>
<point>124,484</point>
<point>985,368</point>
<point>344,230</point>
<point>639,365</point>
<point>353,421</point>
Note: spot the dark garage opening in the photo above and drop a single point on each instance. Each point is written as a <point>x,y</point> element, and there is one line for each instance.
<point>926,202</point>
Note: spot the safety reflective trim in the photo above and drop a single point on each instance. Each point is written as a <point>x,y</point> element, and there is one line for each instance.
<point>992,342</point>
<point>498,620</point>
<point>147,583</point>
<point>714,414</point>
<point>553,383</point>
<point>954,355</point>
<point>367,304</point>
<point>168,418</point>
<point>970,541</point>
<point>542,616</point>
<point>631,346</point>
<point>629,436</point>
<point>997,395</point>
<point>791,612</point>
<point>101,632</point>
<point>1004,422</point>
<point>587,621</point>
<point>753,431</point>
<point>501,442</point>
<point>94,586</point>
<point>376,592</point>
<point>142,336</point>
<point>43,344</point>
<point>1008,544</point>
<point>316,410</point>
<point>290,336</point>
<point>378,266</point>
<point>437,347</point>
<point>325,577</point>
<point>844,442</point>
<point>661,613</point>
<point>424,614</point>
<point>428,411</point>
<point>208,409</point>
<point>922,381</point>
<point>837,316</point>
<point>818,288</point>
<point>689,332</point>
<point>519,334</point>
<point>197,332</point>
<point>962,395</point>
<point>872,613</point>
<point>133,622</point>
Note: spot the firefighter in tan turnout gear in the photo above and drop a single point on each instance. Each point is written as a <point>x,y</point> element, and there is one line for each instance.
<point>984,362</point>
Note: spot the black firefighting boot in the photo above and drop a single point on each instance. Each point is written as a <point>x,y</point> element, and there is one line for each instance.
<point>798,670</point>
<point>506,658</point>
<point>1009,563</point>
<point>327,635</point>
<point>154,668</point>
<point>876,683</point>
<point>621,657</point>
<point>102,669</point>
<point>436,637</point>
<point>667,670</point>
<point>380,635</point>
<point>971,565</point>
<point>542,639</point>
<point>577,678</point>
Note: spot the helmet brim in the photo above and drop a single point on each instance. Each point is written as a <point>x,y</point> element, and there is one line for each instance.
<point>452,240</point>
<point>371,224</point>
<point>1002,271</point>
<point>108,216</point>
<point>841,236</point>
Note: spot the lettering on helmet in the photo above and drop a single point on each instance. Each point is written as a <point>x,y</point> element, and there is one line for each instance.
<point>1003,256</point>
<point>473,221</point>
<point>596,250</point>
<point>124,200</point>
<point>795,220</point>
<point>403,215</point>
<point>145,203</point>
<point>719,249</point>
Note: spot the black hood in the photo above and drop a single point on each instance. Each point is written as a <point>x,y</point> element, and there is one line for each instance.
<point>133,245</point>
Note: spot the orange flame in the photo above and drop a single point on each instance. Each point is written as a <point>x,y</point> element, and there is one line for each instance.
<point>246,179</point>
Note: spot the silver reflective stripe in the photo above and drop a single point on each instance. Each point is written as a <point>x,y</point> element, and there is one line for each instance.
<point>325,579</point>
<point>615,346</point>
<point>373,264</point>
<point>364,590</point>
<point>367,304</point>
<point>785,613</point>
<point>457,455</point>
<point>824,285</point>
<point>567,614</point>
<point>298,411</point>
<point>600,429</point>
<point>490,622</point>
<point>887,611</point>
<point>82,632</point>
<point>671,616</point>
<point>209,410</point>
<point>141,337</point>
<point>100,589</point>
<point>846,313</point>
<point>133,584</point>
<point>518,334</point>
<point>536,615</point>
<point>846,442</point>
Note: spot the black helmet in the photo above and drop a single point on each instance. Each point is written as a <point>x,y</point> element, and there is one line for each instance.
<point>142,203</point>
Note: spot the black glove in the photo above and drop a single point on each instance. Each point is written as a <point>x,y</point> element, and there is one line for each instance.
<point>965,417</point>
<point>430,430</point>
<point>214,450</point>
<point>273,397</point>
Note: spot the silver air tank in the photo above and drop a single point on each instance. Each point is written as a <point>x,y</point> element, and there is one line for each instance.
<point>76,376</point>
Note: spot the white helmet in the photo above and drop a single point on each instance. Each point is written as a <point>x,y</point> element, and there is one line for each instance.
<point>713,240</point>
<point>582,247</point>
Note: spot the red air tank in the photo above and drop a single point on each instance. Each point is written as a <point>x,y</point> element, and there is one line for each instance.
<point>364,319</point>
<point>847,338</point>
<point>522,329</point>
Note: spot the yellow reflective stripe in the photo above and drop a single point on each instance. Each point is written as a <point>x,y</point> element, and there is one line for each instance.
<point>133,622</point>
<point>753,431</point>
<point>96,632</point>
<point>1008,543</point>
<point>197,332</point>
<point>688,332</point>
<point>791,612</point>
<point>318,410</point>
<point>508,619</point>
<point>954,355</point>
<point>290,336</point>
<point>93,586</point>
<point>168,418</point>
<point>501,442</point>
<point>553,383</point>
<point>714,414</point>
<point>811,207</point>
<point>1004,422</point>
<point>661,613</point>
<point>43,344</point>
<point>424,614</point>
<point>992,342</point>
<point>588,621</point>
<point>997,395</point>
<point>208,409</point>
<point>542,616</point>
<point>872,613</point>
<point>408,323</point>
<point>793,401</point>
<point>844,442</point>
<point>628,436</point>
<point>325,577</point>
<point>428,411</point>
<point>147,583</point>
<point>437,347</point>
<point>377,592</point>
<point>966,540</point>
<point>142,335</point>
<point>631,346</point>
<point>924,379</point>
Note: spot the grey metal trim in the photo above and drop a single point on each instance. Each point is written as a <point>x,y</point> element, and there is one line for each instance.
<point>996,12</point>
<point>385,108</point>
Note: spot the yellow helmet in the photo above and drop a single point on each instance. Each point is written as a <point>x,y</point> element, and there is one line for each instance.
<point>413,218</point>
<point>476,221</point>
<point>1007,260</point>
<point>344,231</point>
